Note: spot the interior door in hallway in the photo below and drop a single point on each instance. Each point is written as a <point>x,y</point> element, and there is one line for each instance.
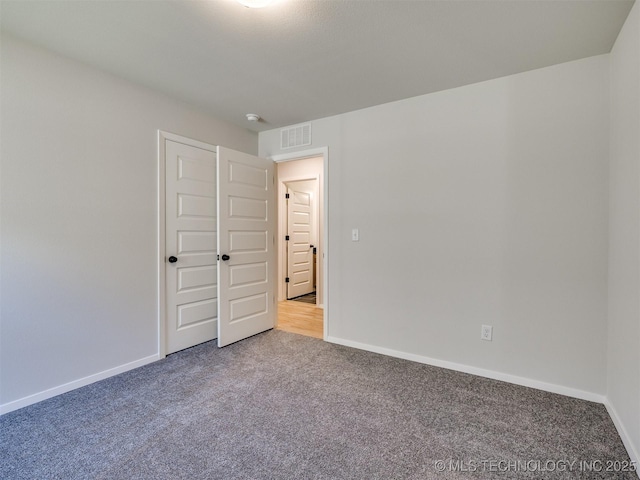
<point>300,268</point>
<point>246,239</point>
<point>190,245</point>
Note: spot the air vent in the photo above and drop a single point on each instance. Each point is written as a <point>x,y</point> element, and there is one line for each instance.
<point>297,136</point>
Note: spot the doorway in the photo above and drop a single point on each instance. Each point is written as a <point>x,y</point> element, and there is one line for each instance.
<point>301,244</point>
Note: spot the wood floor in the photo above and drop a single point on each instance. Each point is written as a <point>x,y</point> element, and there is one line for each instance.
<point>301,318</point>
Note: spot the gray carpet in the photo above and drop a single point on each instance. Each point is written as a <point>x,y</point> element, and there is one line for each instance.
<point>284,406</point>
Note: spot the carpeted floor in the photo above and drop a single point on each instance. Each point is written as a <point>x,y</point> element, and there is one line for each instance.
<point>284,406</point>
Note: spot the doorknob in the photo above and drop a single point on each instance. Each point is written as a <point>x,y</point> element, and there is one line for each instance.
<point>172,259</point>
<point>225,257</point>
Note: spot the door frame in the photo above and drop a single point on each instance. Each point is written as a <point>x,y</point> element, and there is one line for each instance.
<point>301,155</point>
<point>162,264</point>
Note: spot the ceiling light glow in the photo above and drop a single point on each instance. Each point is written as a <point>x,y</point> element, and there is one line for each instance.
<point>255,3</point>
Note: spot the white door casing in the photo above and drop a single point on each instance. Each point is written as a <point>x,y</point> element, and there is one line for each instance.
<point>246,234</point>
<point>300,269</point>
<point>191,289</point>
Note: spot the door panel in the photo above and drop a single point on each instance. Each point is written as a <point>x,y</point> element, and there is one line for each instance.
<point>190,235</point>
<point>299,250</point>
<point>192,278</point>
<point>248,274</point>
<point>197,312</point>
<point>246,233</point>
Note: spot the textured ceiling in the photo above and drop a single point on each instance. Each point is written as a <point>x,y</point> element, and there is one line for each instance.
<point>300,60</point>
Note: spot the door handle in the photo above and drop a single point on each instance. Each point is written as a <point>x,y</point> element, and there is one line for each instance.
<point>225,257</point>
<point>172,259</point>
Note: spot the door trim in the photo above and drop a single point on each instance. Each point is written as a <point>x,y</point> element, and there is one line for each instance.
<point>301,155</point>
<point>162,264</point>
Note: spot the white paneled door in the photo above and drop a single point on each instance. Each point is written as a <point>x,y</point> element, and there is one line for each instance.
<point>190,245</point>
<point>299,249</point>
<point>246,241</point>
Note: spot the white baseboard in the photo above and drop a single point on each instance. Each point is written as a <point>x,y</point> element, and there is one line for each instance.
<point>52,392</point>
<point>481,372</point>
<point>634,452</point>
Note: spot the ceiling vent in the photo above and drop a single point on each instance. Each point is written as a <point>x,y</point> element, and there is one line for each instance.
<point>298,136</point>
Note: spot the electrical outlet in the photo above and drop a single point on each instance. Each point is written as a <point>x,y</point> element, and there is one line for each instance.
<point>355,235</point>
<point>486,333</point>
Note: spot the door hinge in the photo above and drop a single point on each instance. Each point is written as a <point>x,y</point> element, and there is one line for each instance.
<point>286,280</point>
<point>286,195</point>
<point>286,238</point>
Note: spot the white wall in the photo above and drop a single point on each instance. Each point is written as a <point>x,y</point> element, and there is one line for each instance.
<point>623,373</point>
<point>485,204</point>
<point>79,218</point>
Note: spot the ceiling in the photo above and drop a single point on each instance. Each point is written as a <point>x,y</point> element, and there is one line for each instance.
<point>300,60</point>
